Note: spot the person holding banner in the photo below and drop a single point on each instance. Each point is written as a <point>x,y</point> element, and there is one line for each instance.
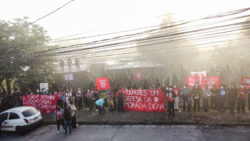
<point>196,92</point>
<point>241,98</point>
<point>170,95</point>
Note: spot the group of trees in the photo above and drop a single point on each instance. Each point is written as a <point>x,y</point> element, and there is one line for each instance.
<point>19,65</point>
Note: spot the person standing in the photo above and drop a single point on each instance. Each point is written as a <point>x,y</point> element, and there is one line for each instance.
<point>67,119</point>
<point>241,98</point>
<point>79,96</point>
<point>206,96</point>
<point>196,92</point>
<point>110,101</point>
<point>99,105</point>
<point>58,117</point>
<point>248,95</point>
<point>73,113</point>
<point>177,98</point>
<point>214,93</point>
<point>59,99</point>
<point>232,96</point>
<point>68,95</point>
<point>170,97</point>
<point>186,96</point>
<point>120,101</point>
<point>222,99</point>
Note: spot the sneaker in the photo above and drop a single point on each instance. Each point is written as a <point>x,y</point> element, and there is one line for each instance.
<point>58,132</point>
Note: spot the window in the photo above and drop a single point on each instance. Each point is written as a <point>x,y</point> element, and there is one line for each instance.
<point>29,112</point>
<point>4,116</point>
<point>13,116</point>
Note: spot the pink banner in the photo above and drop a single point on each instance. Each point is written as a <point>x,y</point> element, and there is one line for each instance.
<point>43,103</point>
<point>245,81</point>
<point>143,100</point>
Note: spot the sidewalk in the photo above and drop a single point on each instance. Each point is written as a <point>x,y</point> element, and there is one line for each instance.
<point>134,117</point>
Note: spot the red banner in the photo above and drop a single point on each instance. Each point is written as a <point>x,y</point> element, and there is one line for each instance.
<point>213,80</point>
<point>246,81</point>
<point>143,100</point>
<point>43,103</point>
<point>200,79</point>
<point>102,83</point>
<point>138,74</point>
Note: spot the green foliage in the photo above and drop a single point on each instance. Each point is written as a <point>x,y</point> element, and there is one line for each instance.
<point>18,39</point>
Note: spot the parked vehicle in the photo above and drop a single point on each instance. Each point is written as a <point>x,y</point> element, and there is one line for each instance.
<point>20,119</point>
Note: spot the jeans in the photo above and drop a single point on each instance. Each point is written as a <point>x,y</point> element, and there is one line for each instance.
<point>186,100</point>
<point>205,104</point>
<point>100,109</point>
<point>241,104</point>
<point>58,124</point>
<point>176,103</point>
<point>197,104</point>
<point>170,108</point>
<point>68,123</point>
<point>222,104</point>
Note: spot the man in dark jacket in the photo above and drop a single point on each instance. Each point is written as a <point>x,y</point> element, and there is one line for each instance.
<point>170,95</point>
<point>196,92</point>
<point>232,96</point>
<point>186,95</point>
<point>67,119</point>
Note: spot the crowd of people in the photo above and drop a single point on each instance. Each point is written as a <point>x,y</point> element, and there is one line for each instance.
<point>190,98</point>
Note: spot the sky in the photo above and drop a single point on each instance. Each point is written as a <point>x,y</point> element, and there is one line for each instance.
<point>102,16</point>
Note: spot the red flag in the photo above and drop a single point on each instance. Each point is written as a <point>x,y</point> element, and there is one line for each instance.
<point>213,80</point>
<point>102,83</point>
<point>245,81</point>
<point>138,74</point>
<point>191,81</point>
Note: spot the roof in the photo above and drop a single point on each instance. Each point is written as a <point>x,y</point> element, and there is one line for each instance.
<point>20,109</point>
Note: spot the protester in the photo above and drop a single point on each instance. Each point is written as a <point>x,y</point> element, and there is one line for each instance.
<point>222,99</point>
<point>67,119</point>
<point>100,105</point>
<point>120,101</point>
<point>241,98</point>
<point>170,97</point>
<point>206,97</point>
<point>73,113</point>
<point>196,92</point>
<point>186,96</point>
<point>58,117</point>
<point>248,95</point>
<point>68,95</point>
<point>59,99</point>
<point>232,96</point>
<point>110,101</point>
<point>79,96</point>
<point>177,99</point>
<point>214,93</point>
<point>85,98</point>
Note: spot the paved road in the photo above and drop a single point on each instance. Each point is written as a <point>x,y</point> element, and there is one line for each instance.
<point>135,133</point>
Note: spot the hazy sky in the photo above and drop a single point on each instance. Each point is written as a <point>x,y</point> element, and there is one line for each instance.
<point>109,15</point>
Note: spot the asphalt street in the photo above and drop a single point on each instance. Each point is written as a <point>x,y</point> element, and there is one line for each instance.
<point>135,133</point>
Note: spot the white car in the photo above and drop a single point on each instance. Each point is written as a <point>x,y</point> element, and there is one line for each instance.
<point>20,119</point>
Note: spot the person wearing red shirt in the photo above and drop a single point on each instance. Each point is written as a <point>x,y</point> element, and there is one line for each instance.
<point>59,99</point>
<point>177,99</point>
<point>170,95</point>
<point>242,92</point>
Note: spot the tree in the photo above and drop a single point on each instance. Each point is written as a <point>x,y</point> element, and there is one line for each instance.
<point>18,40</point>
